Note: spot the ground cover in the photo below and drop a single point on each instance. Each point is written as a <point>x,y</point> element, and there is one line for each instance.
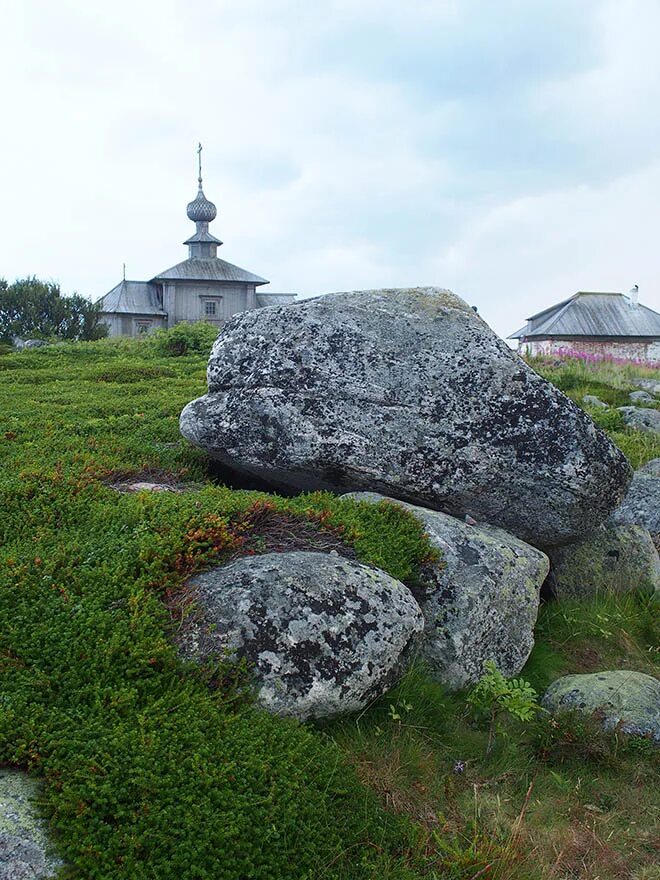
<point>155,769</point>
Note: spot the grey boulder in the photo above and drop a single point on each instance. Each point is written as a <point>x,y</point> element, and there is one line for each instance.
<point>621,699</point>
<point>651,468</point>
<point>480,602</point>
<point>409,393</point>
<point>25,852</point>
<point>652,385</point>
<point>323,635</point>
<point>641,505</point>
<point>641,419</point>
<point>641,397</point>
<point>593,401</point>
<point>615,559</point>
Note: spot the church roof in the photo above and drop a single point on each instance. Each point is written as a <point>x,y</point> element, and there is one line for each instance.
<point>593,315</point>
<point>213,269</point>
<point>132,297</point>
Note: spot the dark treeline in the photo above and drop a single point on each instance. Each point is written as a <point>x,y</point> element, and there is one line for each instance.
<point>34,309</point>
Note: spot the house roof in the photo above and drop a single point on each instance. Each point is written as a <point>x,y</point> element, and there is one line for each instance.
<point>213,269</point>
<point>132,297</point>
<point>593,315</point>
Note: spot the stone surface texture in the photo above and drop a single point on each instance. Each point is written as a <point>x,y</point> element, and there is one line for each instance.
<point>409,393</point>
<point>324,635</point>
<point>641,397</point>
<point>480,602</point>
<point>613,559</point>
<point>641,419</point>
<point>641,505</point>
<point>25,853</point>
<point>652,385</point>
<point>623,699</point>
<point>592,400</point>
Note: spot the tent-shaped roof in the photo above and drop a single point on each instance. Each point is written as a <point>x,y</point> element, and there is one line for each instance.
<point>593,315</point>
<point>208,270</point>
<point>132,297</point>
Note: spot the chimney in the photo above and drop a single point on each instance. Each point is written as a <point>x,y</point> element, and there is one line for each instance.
<point>634,294</point>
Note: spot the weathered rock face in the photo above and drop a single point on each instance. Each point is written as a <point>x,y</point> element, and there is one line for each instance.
<point>641,397</point>
<point>324,635</point>
<point>622,699</point>
<point>480,602</point>
<point>591,400</point>
<point>651,385</point>
<point>641,505</point>
<point>641,419</point>
<point>407,393</point>
<point>25,853</point>
<point>614,559</point>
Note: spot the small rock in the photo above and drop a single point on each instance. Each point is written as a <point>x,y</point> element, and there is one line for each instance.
<point>651,385</point>
<point>622,699</point>
<point>25,853</point>
<point>641,505</point>
<point>480,602</point>
<point>323,635</point>
<point>149,487</point>
<point>641,397</point>
<point>591,400</point>
<point>613,559</point>
<point>641,419</point>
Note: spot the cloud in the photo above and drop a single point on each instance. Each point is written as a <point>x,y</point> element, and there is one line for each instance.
<point>506,149</point>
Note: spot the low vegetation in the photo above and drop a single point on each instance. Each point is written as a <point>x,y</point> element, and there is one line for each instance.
<point>154,768</point>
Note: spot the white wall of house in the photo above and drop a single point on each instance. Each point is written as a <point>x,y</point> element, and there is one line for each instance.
<point>632,351</point>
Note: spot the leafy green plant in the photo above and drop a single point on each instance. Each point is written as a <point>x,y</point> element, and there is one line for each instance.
<point>495,696</point>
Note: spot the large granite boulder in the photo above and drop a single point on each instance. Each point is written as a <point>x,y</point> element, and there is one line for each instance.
<point>408,393</point>
<point>480,601</point>
<point>322,634</point>
<point>25,852</point>
<point>641,506</point>
<point>613,559</point>
<point>641,418</point>
<point>622,699</point>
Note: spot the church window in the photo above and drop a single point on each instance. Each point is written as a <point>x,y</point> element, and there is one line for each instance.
<point>210,308</point>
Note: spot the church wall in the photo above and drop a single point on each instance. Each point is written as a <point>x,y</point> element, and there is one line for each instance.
<point>229,299</point>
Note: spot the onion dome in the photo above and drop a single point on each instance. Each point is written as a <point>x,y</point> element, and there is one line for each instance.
<point>201,210</point>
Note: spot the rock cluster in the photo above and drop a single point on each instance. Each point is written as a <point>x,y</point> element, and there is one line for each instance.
<point>407,397</point>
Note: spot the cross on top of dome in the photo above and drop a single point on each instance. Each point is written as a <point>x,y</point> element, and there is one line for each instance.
<point>201,210</point>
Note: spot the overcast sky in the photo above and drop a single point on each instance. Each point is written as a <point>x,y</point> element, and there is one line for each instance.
<point>508,150</point>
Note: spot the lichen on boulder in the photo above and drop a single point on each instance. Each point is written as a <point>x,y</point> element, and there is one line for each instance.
<point>621,699</point>
<point>614,559</point>
<point>406,392</point>
<point>25,851</point>
<point>323,635</point>
<point>480,600</point>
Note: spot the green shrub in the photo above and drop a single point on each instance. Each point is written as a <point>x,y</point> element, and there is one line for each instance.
<point>185,339</point>
<point>124,373</point>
